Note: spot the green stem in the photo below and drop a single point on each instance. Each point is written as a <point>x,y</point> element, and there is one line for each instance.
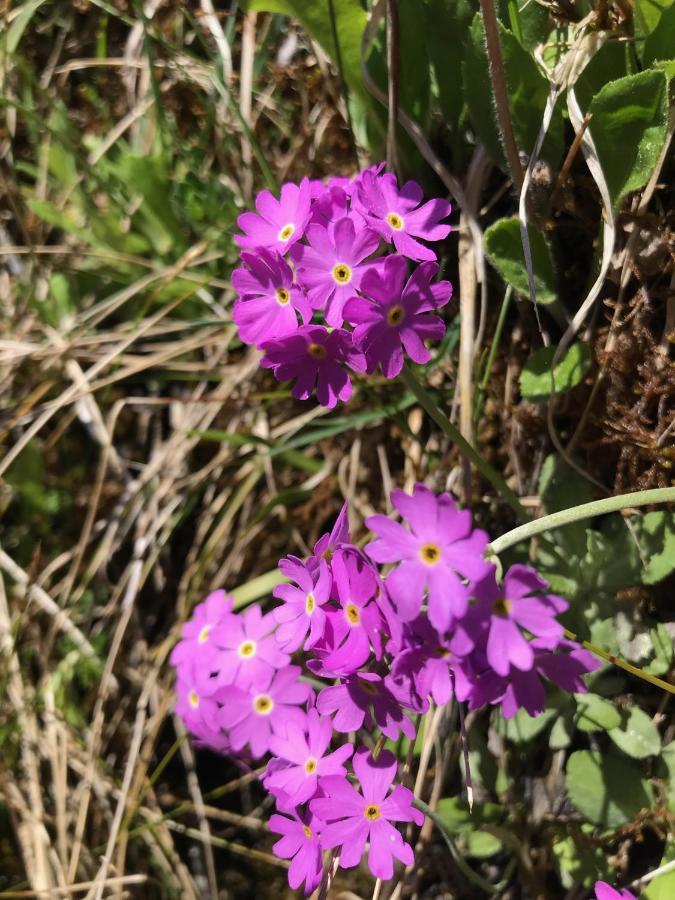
<point>429,406</point>
<point>494,346</point>
<point>577,513</point>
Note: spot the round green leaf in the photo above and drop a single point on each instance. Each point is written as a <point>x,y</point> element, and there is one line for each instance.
<point>637,736</point>
<point>535,379</point>
<point>596,713</point>
<point>606,789</point>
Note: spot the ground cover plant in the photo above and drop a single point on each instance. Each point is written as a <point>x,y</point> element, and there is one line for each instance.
<point>337,547</point>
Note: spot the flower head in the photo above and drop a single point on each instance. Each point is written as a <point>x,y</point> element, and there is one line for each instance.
<point>304,750</point>
<point>398,215</point>
<point>302,610</point>
<point>300,842</point>
<point>331,267</point>
<point>327,544</point>
<point>279,223</point>
<point>197,703</point>
<point>391,317</point>
<point>197,633</point>
<point>355,818</point>
<point>315,358</point>
<point>360,699</point>
<point>248,649</point>
<point>269,302</point>
<point>440,546</point>
<point>267,707</point>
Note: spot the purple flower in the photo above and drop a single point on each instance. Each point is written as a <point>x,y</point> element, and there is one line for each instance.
<point>332,204</point>
<point>197,704</point>
<point>355,627</point>
<point>247,648</point>
<point>301,843</point>
<point>197,633</point>
<point>391,317</point>
<point>268,707</point>
<point>327,544</point>
<point>315,358</point>
<point>511,605</point>
<point>331,267</point>
<point>269,302</point>
<point>305,751</point>
<point>352,701</point>
<point>280,223</point>
<point>397,215</point>
<point>440,547</point>
<point>603,891</point>
<point>354,818</point>
<point>301,611</point>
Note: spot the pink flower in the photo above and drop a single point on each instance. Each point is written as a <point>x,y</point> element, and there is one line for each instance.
<point>327,544</point>
<point>301,843</point>
<point>280,223</point>
<point>315,358</point>
<point>511,605</point>
<point>440,547</point>
<point>248,649</point>
<point>304,749</point>
<point>267,708</point>
<point>269,303</point>
<point>354,818</point>
<point>301,611</point>
<point>397,215</point>
<point>197,703</point>
<point>352,702</point>
<point>391,317</point>
<point>197,633</point>
<point>603,891</point>
<point>332,266</point>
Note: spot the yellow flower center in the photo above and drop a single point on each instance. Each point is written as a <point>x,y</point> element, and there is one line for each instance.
<point>430,554</point>
<point>317,351</point>
<point>193,699</point>
<point>283,296</point>
<point>372,812</point>
<point>204,634</point>
<point>342,274</point>
<point>310,765</point>
<point>395,221</point>
<point>501,607</point>
<point>395,315</point>
<point>287,231</point>
<point>352,614</point>
<point>307,832</point>
<point>310,604</point>
<point>263,704</point>
<point>246,649</point>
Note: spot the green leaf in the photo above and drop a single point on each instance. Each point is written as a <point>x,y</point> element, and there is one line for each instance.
<point>459,820</point>
<point>562,733</point>
<point>660,44</point>
<point>579,860</point>
<point>606,789</point>
<point>647,15</point>
<point>446,18</point>
<point>631,114</point>
<point>637,735</point>
<point>504,249</point>
<point>523,727</point>
<point>663,886</point>
<point>527,92</point>
<point>656,535</point>
<point>596,713</point>
<point>314,16</point>
<point>560,488</point>
<point>663,651</point>
<point>535,379</point>
<point>18,26</point>
<point>607,64</point>
<point>144,176</point>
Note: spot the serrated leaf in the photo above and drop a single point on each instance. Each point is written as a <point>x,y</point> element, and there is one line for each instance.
<point>631,114</point>
<point>606,789</point>
<point>504,249</point>
<point>535,379</point>
<point>637,735</point>
<point>596,713</point>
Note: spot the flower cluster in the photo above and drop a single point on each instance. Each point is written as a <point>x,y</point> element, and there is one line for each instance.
<point>324,287</point>
<point>417,616</point>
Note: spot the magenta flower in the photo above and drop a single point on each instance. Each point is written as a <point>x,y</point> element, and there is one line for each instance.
<point>197,633</point>
<point>269,303</point>
<point>304,749</point>
<point>315,358</point>
<point>301,843</point>
<point>280,223</point>
<point>353,700</point>
<point>391,317</point>
<point>248,649</point>
<point>397,215</point>
<point>267,708</point>
<point>331,267</point>
<point>197,703</point>
<point>327,544</point>
<point>332,204</point>
<point>355,627</point>
<point>301,611</point>
<point>355,818</point>
<point>440,547</point>
<point>603,891</point>
<point>510,607</point>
